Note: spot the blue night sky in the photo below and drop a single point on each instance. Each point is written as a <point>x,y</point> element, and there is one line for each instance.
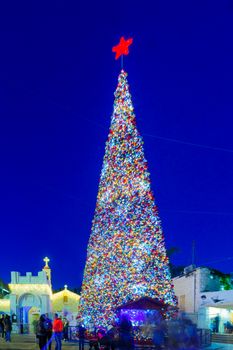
<point>57,79</point>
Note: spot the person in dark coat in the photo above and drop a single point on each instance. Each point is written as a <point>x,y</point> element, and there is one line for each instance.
<point>49,331</point>
<point>126,341</point>
<point>41,332</point>
<point>160,331</point>
<point>93,341</point>
<point>111,336</point>
<point>81,336</point>
<point>7,328</point>
<point>65,329</point>
<point>2,326</point>
<point>103,340</point>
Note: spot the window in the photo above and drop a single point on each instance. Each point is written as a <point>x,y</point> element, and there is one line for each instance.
<point>65,299</point>
<point>182,302</point>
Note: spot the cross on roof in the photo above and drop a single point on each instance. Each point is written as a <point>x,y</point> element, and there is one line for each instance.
<point>46,260</point>
<point>65,286</point>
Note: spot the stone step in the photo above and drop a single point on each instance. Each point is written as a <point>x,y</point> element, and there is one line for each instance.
<point>222,338</point>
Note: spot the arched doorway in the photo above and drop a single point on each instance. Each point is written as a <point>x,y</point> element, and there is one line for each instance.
<point>29,311</point>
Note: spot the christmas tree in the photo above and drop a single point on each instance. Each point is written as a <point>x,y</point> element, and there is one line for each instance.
<point>126,257</point>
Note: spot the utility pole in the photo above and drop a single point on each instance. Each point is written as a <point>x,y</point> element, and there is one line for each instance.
<point>194,276</point>
<point>193,252</point>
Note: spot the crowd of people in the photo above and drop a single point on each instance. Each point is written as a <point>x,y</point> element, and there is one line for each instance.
<point>5,327</point>
<point>174,334</point>
<point>116,336</point>
<point>99,339</point>
<point>47,330</point>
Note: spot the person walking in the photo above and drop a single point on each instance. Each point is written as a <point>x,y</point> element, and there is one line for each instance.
<point>81,336</point>
<point>159,333</point>
<point>41,332</point>
<point>49,331</point>
<point>2,326</point>
<point>111,336</point>
<point>7,328</point>
<point>65,329</point>
<point>126,340</point>
<point>93,340</point>
<point>57,331</point>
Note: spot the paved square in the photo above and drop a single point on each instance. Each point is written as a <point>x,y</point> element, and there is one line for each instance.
<point>28,342</point>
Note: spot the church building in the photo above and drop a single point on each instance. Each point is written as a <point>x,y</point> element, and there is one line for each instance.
<point>30,296</point>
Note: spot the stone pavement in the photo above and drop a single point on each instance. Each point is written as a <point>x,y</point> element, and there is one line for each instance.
<point>218,346</point>
<point>28,342</point>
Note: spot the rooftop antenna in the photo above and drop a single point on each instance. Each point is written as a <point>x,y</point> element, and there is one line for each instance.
<point>193,252</point>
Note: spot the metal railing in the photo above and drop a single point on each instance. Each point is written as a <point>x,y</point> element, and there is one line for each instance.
<point>24,328</point>
<point>204,336</point>
<point>73,333</point>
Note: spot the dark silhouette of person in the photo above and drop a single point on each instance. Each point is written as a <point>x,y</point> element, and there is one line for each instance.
<point>2,326</point>
<point>103,340</point>
<point>216,324</point>
<point>126,341</point>
<point>159,334</point>
<point>93,341</point>
<point>49,331</point>
<point>7,327</point>
<point>111,337</point>
<point>41,332</point>
<point>81,336</point>
<point>66,329</point>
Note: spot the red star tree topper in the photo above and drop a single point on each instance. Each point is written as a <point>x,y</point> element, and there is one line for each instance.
<point>122,48</point>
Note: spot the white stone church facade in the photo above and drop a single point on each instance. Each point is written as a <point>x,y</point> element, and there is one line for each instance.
<point>30,296</point>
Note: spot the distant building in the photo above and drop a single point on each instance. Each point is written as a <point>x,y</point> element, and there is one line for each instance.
<point>200,292</point>
<point>30,296</point>
<point>4,306</point>
<point>65,303</point>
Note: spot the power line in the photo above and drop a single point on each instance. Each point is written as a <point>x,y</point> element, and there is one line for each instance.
<point>189,143</point>
<point>217,261</point>
<point>95,122</point>
<point>199,212</point>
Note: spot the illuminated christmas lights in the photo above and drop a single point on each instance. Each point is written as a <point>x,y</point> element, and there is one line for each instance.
<point>126,256</point>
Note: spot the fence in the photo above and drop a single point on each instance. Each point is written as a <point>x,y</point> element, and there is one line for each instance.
<point>204,336</point>
<point>73,333</point>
